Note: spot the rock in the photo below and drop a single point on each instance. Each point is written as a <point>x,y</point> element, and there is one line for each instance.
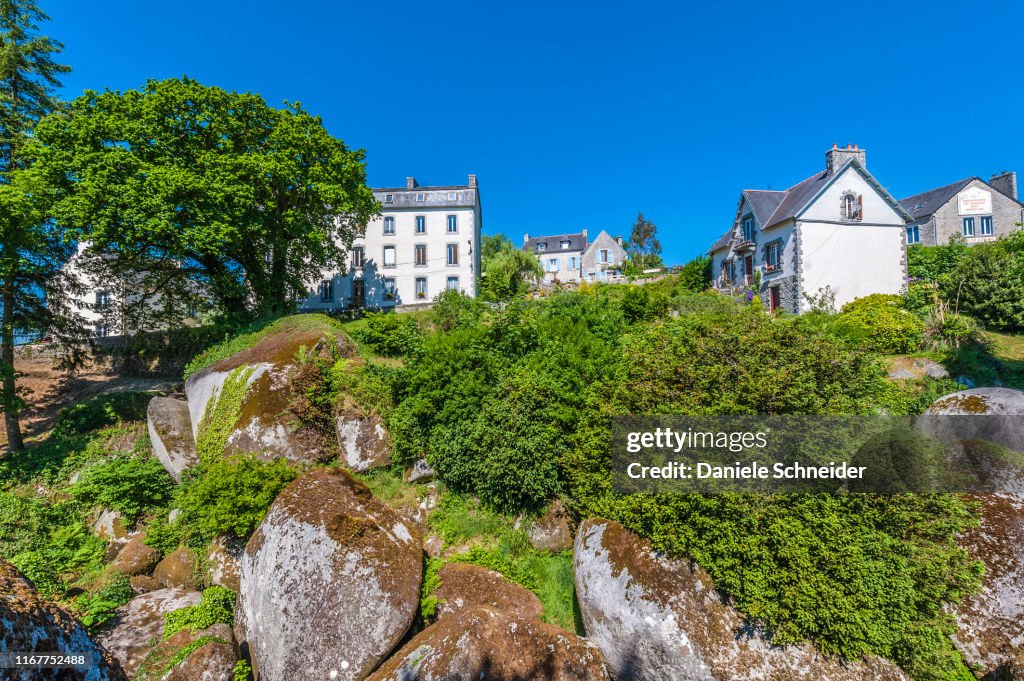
<point>258,408</point>
<point>223,562</point>
<point>433,545</point>
<point>419,471</point>
<point>330,582</point>
<point>211,661</point>
<point>177,569</point>
<point>30,624</point>
<point>482,643</point>
<point>908,368</point>
<point>135,558</point>
<point>110,526</point>
<point>174,514</point>
<point>465,586</point>
<point>990,624</point>
<point>655,618</point>
<point>934,369</point>
<point>171,435</point>
<point>140,622</point>
<point>364,442</point>
<point>553,530</point>
<point>144,584</point>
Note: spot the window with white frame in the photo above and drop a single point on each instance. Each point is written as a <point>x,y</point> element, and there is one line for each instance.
<point>421,288</point>
<point>850,206</point>
<point>451,196</point>
<point>453,224</point>
<point>564,244</point>
<point>358,257</point>
<point>453,283</point>
<point>748,228</point>
<point>326,291</point>
<point>771,256</point>
<point>552,264</point>
<point>604,256</point>
<point>421,197</point>
<point>102,299</point>
<point>390,292</point>
<point>986,225</point>
<point>968,226</point>
<point>389,198</point>
<point>389,256</point>
<point>542,246</point>
<point>389,225</point>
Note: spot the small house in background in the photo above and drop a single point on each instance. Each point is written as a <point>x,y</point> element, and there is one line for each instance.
<point>574,258</point>
<point>977,210</point>
<point>838,232</point>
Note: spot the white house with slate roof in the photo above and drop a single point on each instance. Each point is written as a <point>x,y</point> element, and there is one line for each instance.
<point>573,257</point>
<point>977,210</point>
<point>839,230</point>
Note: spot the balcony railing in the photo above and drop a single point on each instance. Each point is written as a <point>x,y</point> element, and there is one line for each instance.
<point>745,245</point>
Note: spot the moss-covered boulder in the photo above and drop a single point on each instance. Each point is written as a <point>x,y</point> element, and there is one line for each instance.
<point>246,402</point>
<point>139,624</point>
<point>552,531</point>
<point>330,582</point>
<point>30,624</point>
<point>170,434</point>
<point>990,623</point>
<point>363,440</point>
<point>465,586</point>
<point>192,655</point>
<point>656,618</point>
<point>483,643</point>
<point>224,562</point>
<point>177,569</point>
<point>136,558</point>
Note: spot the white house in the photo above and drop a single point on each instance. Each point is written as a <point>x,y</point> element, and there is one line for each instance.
<point>573,257</point>
<point>426,240</point>
<point>838,231</point>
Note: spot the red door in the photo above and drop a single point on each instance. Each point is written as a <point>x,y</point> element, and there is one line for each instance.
<point>748,269</point>
<point>774,299</point>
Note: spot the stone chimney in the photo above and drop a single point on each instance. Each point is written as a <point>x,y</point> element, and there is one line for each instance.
<point>584,233</point>
<point>1006,182</point>
<point>837,156</point>
<point>618,240</point>
<point>526,237</point>
<point>472,179</point>
<point>411,183</point>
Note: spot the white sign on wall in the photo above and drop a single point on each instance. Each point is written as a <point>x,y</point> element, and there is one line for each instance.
<point>974,201</point>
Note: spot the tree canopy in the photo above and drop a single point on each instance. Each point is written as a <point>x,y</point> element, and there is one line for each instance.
<point>189,193</point>
<point>508,271</point>
<point>644,249</point>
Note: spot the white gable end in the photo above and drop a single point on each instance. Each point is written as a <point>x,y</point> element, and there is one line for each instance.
<point>875,209</point>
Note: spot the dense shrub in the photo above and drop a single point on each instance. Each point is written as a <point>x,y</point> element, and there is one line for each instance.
<point>390,334</point>
<point>884,323</point>
<point>988,284</point>
<point>130,485</point>
<point>104,410</point>
<point>454,309</point>
<point>695,276</point>
<point>216,605</point>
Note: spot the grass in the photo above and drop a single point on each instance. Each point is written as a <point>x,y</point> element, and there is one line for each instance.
<point>387,486</point>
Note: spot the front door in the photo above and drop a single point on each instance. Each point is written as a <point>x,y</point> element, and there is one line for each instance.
<point>358,293</point>
<point>748,269</point>
<point>774,299</point>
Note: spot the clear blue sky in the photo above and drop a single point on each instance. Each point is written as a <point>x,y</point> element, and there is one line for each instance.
<point>576,114</point>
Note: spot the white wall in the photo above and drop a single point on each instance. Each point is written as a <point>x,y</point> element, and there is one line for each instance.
<point>876,209</point>
<point>855,260</point>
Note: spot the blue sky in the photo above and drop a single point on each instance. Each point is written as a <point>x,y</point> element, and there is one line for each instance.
<point>580,114</point>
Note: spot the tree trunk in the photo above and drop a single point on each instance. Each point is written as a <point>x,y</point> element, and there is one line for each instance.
<point>8,391</point>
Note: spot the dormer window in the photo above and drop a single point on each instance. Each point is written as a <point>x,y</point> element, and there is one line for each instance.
<point>564,244</point>
<point>748,228</point>
<point>851,206</point>
<point>541,247</point>
<point>421,197</point>
<point>389,198</point>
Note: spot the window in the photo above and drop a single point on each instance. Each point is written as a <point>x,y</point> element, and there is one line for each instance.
<point>389,225</point>
<point>574,263</point>
<point>914,234</point>
<point>453,254</point>
<point>358,258</point>
<point>986,225</point>
<point>102,299</point>
<point>851,206</point>
<point>542,246</point>
<point>453,223</point>
<point>421,197</point>
<point>604,256</point>
<point>389,198</point>
<point>421,288</point>
<point>748,228</point>
<point>563,244</point>
<point>102,330</point>
<point>968,226</point>
<point>389,289</point>
<point>326,291</point>
<point>552,264</point>
<point>421,224</point>
<point>420,254</point>
<point>732,271</point>
<point>453,283</point>
<point>771,257</point>
<point>451,196</point>
<point>389,256</point>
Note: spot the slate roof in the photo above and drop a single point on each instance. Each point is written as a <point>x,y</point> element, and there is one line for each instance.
<point>577,242</point>
<point>924,204</point>
<point>764,202</point>
<point>722,242</point>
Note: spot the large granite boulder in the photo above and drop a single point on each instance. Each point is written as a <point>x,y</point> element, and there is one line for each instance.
<point>109,524</point>
<point>483,643</point>
<point>30,624</point>
<point>139,623</point>
<point>213,660</point>
<point>136,558</point>
<point>465,586</point>
<point>170,434</point>
<point>250,394</point>
<point>330,582</point>
<point>990,624</point>
<point>177,569</point>
<point>656,618</point>
<point>224,562</point>
<point>364,441</point>
<point>552,531</point>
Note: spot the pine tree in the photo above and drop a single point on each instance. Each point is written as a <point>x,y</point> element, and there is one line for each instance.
<point>34,291</point>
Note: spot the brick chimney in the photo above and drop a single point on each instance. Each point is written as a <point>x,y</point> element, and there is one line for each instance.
<point>1006,182</point>
<point>411,183</point>
<point>472,179</point>
<point>836,157</point>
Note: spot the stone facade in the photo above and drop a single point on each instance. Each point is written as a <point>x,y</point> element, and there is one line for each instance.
<point>939,214</point>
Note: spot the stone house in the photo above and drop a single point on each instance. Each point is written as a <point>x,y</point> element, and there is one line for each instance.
<point>839,232</point>
<point>574,258</point>
<point>977,210</point>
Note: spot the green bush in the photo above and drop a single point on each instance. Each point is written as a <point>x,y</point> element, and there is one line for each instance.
<point>217,605</point>
<point>454,309</point>
<point>884,323</point>
<point>391,334</point>
<point>695,276</point>
<point>988,284</point>
<point>97,608</point>
<point>130,485</point>
<point>104,410</point>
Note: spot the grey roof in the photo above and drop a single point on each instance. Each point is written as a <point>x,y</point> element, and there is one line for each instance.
<point>722,242</point>
<point>924,204</point>
<point>577,242</point>
<point>763,202</point>
<point>797,198</point>
<point>433,197</point>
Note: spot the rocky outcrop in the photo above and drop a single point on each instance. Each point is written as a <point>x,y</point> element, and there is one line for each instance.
<point>137,624</point>
<point>224,561</point>
<point>911,368</point>
<point>171,436</point>
<point>364,442</point>
<point>655,618</point>
<point>483,643</point>
<point>213,660</point>
<point>419,471</point>
<point>109,525</point>
<point>29,624</point>
<point>465,586</point>
<point>177,569</point>
<point>990,624</point>
<point>144,584</point>
<point>553,530</point>
<point>329,582</point>
<point>135,558</point>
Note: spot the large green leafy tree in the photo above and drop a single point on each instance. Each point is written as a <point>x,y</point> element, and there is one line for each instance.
<point>33,289</point>
<point>508,271</point>
<point>180,182</point>
<point>644,249</point>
